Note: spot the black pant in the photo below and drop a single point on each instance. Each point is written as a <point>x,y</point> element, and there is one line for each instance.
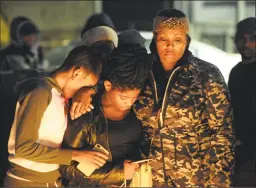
<point>13,182</point>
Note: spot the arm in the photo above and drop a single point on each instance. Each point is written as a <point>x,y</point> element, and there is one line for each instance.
<point>109,174</point>
<point>29,118</point>
<point>222,132</point>
<point>17,63</point>
<point>81,134</point>
<point>145,111</point>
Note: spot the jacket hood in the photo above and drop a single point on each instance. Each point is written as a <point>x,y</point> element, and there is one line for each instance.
<point>22,26</point>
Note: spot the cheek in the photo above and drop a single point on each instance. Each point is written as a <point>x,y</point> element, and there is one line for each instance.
<point>251,45</point>
<point>160,48</point>
<point>71,88</point>
<point>118,102</point>
<point>179,50</point>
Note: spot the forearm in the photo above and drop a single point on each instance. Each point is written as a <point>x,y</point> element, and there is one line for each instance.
<point>44,154</point>
<point>109,174</point>
<point>222,140</point>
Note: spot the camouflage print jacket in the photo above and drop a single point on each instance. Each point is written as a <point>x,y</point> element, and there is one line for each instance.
<point>196,127</point>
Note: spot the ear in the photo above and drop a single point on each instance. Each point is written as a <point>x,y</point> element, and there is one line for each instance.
<point>76,71</point>
<point>107,85</point>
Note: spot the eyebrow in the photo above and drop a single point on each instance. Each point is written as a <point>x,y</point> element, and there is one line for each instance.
<point>127,96</point>
<point>161,35</point>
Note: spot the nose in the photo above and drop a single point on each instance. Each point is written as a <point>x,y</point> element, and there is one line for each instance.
<point>249,43</point>
<point>129,102</point>
<point>170,44</point>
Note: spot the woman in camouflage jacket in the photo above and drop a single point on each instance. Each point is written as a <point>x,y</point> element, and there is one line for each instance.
<point>192,140</point>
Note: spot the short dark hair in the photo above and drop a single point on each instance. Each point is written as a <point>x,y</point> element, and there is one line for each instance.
<point>84,57</point>
<point>128,67</point>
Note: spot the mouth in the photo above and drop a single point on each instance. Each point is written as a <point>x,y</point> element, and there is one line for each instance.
<point>248,53</point>
<point>125,107</point>
<point>169,55</point>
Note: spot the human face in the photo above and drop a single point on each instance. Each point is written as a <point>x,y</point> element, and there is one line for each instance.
<point>170,44</point>
<point>122,99</point>
<point>32,40</point>
<point>246,46</point>
<point>79,79</point>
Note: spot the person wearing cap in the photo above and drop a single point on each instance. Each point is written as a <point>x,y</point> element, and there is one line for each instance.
<point>19,59</point>
<point>25,51</point>
<point>186,112</point>
<point>98,33</point>
<point>131,36</point>
<point>99,28</point>
<point>242,87</point>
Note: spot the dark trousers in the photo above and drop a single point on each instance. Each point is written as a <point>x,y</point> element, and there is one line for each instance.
<point>13,182</point>
<point>245,168</point>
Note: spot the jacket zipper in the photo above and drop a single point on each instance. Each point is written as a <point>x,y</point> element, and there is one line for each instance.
<point>155,87</point>
<point>161,125</point>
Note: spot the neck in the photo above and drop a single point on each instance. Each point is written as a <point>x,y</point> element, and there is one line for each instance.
<point>60,78</point>
<point>169,68</point>
<point>248,61</point>
<point>110,111</point>
<point>106,103</point>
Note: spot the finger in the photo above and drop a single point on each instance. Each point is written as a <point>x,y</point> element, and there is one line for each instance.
<point>91,106</point>
<point>88,109</point>
<point>85,110</point>
<point>99,161</point>
<point>72,110</point>
<point>78,110</point>
<point>104,156</point>
<point>96,166</point>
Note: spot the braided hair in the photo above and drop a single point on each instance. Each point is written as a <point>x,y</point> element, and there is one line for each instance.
<point>127,67</point>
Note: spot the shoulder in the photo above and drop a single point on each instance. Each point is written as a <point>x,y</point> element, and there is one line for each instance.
<point>10,50</point>
<point>83,122</point>
<point>208,71</point>
<point>37,89</point>
<point>236,68</point>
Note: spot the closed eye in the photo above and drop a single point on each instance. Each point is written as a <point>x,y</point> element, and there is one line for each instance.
<point>123,97</point>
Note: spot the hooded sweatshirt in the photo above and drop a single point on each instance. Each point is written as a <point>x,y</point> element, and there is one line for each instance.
<point>19,55</point>
<point>37,132</point>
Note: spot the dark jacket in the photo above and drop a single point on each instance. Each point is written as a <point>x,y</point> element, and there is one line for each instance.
<point>19,55</point>
<point>84,133</point>
<point>242,87</point>
<point>18,58</point>
<point>197,134</point>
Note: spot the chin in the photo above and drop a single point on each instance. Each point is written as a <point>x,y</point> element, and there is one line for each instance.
<point>124,108</point>
<point>67,96</point>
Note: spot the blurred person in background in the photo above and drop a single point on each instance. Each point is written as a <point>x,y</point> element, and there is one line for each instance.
<point>242,87</point>
<point>186,111</point>
<point>98,27</point>
<point>98,33</point>
<point>131,36</point>
<point>25,51</point>
<point>22,58</point>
